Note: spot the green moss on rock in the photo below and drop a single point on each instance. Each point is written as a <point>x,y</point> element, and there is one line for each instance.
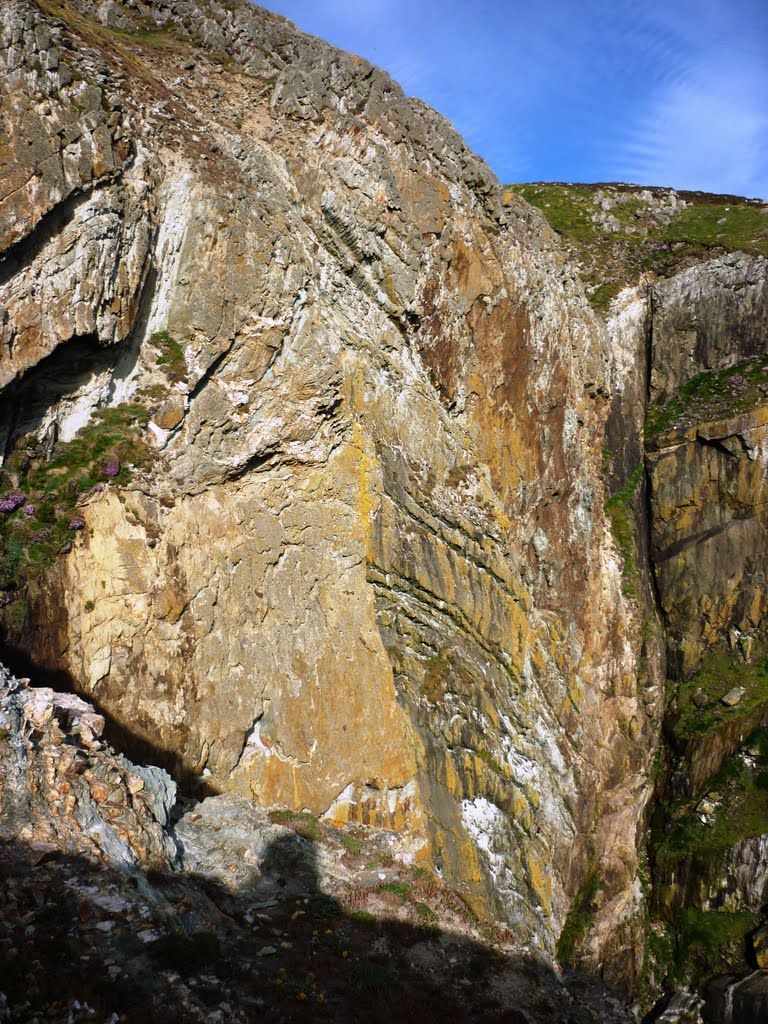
<point>699,710</point>
<point>712,396</point>
<point>579,919</point>
<point>618,508</point>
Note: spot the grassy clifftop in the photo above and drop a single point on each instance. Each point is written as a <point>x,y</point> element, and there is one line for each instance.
<point>616,231</point>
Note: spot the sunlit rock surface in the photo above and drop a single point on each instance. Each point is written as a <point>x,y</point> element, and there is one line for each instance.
<point>367,572</point>
<point>387,546</point>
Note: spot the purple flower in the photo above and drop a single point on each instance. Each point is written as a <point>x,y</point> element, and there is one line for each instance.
<point>111,467</point>
<point>11,501</point>
<point>40,535</point>
<point>76,523</point>
<point>98,488</point>
<point>28,510</point>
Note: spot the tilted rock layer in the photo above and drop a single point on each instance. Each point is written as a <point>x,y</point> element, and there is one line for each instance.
<point>367,571</point>
<point>360,564</point>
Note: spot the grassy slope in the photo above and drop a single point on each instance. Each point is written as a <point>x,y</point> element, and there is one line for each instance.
<point>709,225</point>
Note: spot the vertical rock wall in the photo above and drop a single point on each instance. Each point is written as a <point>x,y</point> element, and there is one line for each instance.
<point>366,568</point>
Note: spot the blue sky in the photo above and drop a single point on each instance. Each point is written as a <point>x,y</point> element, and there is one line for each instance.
<point>660,92</point>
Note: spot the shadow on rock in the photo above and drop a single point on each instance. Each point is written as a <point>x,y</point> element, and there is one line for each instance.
<point>82,941</point>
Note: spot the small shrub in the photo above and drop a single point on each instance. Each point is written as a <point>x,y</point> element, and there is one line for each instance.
<point>171,356</point>
<point>321,905</point>
<point>428,917</point>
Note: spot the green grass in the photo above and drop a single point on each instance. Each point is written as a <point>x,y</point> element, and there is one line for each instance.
<point>745,227</point>
<point>156,38</point>
<point>741,814</point>
<point>719,674</point>
<point>351,844</point>
<point>54,487</point>
<point>611,260</point>
<point>712,395</point>
<point>620,515</point>
<point>579,919</point>
<point>302,822</point>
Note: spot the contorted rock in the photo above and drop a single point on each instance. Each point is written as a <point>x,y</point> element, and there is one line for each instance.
<point>367,572</point>
<point>63,789</point>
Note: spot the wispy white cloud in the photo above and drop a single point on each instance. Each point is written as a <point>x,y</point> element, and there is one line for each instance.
<point>709,132</point>
<point>664,92</point>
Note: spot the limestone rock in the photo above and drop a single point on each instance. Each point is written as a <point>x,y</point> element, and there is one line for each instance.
<point>324,591</point>
<point>62,787</point>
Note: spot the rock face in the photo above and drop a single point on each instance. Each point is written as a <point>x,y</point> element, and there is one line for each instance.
<point>367,571</point>
<point>62,789</point>
<point>332,535</point>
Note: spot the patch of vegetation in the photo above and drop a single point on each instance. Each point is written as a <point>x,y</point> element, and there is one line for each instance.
<point>302,822</point>
<point>170,356</point>
<point>428,918</point>
<point>374,977</point>
<point>401,889</point>
<point>324,906</point>
<point>445,673</point>
<point>487,758</point>
<point>37,528</point>
<point>731,225</point>
<point>15,614</point>
<point>154,37</point>
<point>712,395</point>
<point>579,919</point>
<point>619,511</point>
<point>644,239</point>
<point>363,917</point>
<point>741,812</point>
<point>709,940</point>
<point>351,844</point>
<point>719,674</point>
<point>301,987</point>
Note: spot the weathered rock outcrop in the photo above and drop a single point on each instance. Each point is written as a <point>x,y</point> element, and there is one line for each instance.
<point>367,570</point>
<point>62,789</point>
<point>712,315</point>
<point>307,433</point>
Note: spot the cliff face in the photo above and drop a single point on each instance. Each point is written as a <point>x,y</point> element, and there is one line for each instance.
<point>325,481</point>
<point>361,565</point>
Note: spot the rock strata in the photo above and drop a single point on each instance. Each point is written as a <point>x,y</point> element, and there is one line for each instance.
<point>366,572</point>
<point>322,477</point>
